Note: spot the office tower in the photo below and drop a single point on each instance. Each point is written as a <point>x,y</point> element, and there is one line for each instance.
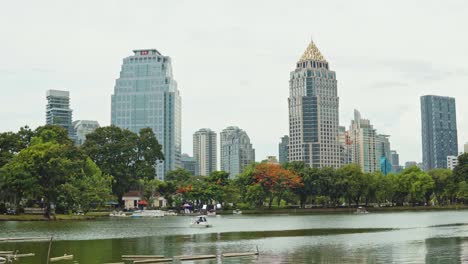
<point>236,151</point>
<point>146,95</point>
<point>345,145</point>
<point>439,130</point>
<point>58,111</point>
<point>189,164</point>
<point>396,168</point>
<point>383,152</point>
<point>363,137</point>
<point>82,128</point>
<point>313,112</point>
<point>283,151</point>
<point>452,162</point>
<point>204,151</point>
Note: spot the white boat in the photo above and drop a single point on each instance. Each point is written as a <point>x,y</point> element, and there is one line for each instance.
<point>237,211</point>
<point>148,213</point>
<point>200,222</point>
<point>118,214</point>
<point>361,210</point>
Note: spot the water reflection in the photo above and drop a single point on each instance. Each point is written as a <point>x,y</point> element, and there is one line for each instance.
<point>436,238</point>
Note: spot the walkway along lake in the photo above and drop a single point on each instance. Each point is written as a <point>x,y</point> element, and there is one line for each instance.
<point>334,238</point>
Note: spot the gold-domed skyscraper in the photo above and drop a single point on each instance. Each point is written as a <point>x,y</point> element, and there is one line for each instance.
<point>313,112</point>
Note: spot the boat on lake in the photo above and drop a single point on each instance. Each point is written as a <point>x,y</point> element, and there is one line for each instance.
<point>237,211</point>
<point>200,222</point>
<point>148,213</point>
<point>361,210</point>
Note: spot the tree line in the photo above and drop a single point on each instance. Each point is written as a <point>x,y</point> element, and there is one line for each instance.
<point>43,167</point>
<point>294,184</point>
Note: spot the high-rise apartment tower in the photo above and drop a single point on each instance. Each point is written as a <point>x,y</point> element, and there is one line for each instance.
<point>204,151</point>
<point>58,111</point>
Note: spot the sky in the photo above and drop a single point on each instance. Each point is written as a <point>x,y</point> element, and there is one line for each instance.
<point>232,60</point>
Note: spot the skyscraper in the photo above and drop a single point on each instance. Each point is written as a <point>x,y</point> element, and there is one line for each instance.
<point>439,130</point>
<point>58,111</point>
<point>204,151</point>
<point>363,137</point>
<point>236,151</point>
<point>189,164</point>
<point>82,128</point>
<point>146,95</point>
<point>396,167</point>
<point>313,112</point>
<point>283,152</point>
<point>383,152</point>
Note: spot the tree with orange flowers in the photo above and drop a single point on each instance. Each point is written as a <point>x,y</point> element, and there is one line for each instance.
<point>275,180</point>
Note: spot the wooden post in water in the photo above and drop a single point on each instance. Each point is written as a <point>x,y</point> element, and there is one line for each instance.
<point>48,252</point>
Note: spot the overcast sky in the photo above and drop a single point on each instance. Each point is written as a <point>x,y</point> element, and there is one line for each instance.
<point>232,60</point>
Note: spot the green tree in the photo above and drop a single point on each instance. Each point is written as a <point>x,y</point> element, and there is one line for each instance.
<point>460,172</point>
<point>124,155</point>
<point>12,143</point>
<point>178,176</point>
<point>86,188</point>
<point>414,186</point>
<point>445,188</point>
<point>255,195</point>
<point>356,183</point>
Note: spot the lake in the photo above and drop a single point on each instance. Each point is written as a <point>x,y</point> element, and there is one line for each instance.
<point>398,237</point>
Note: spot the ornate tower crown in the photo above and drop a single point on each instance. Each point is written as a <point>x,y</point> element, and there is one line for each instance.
<point>312,53</point>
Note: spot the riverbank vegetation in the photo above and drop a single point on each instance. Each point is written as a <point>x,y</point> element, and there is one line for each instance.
<point>43,168</point>
<point>296,186</point>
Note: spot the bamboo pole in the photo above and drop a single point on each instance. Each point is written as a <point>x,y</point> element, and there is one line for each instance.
<point>48,251</point>
<point>64,257</point>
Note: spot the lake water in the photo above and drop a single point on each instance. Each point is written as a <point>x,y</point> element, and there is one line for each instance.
<point>404,237</point>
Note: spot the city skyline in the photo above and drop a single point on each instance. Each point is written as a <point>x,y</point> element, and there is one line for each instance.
<point>379,64</point>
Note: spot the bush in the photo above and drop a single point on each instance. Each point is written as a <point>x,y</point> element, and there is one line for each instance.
<point>242,206</point>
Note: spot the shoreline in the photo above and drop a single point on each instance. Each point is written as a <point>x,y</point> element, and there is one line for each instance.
<point>263,211</point>
<point>344,210</point>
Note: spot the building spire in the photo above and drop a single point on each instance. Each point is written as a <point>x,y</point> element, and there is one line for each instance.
<point>312,53</point>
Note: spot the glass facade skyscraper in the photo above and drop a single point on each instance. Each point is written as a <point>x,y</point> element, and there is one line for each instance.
<point>283,151</point>
<point>58,111</point>
<point>313,112</point>
<point>439,130</point>
<point>146,95</point>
